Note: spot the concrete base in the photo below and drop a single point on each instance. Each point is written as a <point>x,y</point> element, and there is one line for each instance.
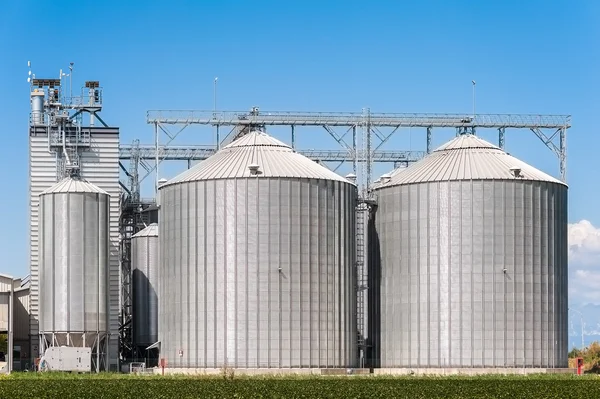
<point>260,371</point>
<point>349,372</point>
<point>469,371</point>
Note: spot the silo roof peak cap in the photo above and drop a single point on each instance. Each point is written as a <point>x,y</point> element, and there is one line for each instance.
<point>257,138</point>
<point>73,185</point>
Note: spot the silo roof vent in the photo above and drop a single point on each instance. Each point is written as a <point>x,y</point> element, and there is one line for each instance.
<point>516,171</point>
<point>385,178</point>
<point>351,177</point>
<point>253,169</point>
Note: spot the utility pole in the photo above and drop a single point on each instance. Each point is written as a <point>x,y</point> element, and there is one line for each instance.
<point>71,82</point>
<point>215,112</point>
<point>474,83</point>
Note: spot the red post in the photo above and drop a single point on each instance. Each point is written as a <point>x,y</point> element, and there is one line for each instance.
<point>163,364</point>
<point>579,365</point>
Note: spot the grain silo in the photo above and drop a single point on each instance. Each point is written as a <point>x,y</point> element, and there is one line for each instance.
<point>470,262</point>
<point>144,260</point>
<point>257,261</point>
<point>74,253</point>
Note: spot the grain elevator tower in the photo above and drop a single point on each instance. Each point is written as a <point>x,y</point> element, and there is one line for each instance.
<point>67,137</point>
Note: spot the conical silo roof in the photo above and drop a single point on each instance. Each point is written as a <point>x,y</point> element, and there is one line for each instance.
<point>150,231</point>
<point>73,185</point>
<point>467,157</point>
<point>272,157</point>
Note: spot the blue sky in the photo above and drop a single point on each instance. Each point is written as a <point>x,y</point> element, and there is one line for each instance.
<point>527,57</point>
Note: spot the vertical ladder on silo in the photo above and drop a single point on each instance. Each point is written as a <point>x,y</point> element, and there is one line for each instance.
<point>361,282</point>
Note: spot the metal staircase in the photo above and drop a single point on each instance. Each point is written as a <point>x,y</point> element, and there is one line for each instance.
<point>362,212</point>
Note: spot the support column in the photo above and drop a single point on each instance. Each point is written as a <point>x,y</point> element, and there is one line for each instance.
<point>106,348</point>
<point>218,139</point>
<point>98,349</point>
<point>11,326</point>
<point>501,137</point>
<point>563,154</point>
<point>429,140</point>
<point>293,138</point>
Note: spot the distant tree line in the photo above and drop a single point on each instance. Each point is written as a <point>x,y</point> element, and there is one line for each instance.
<point>590,355</point>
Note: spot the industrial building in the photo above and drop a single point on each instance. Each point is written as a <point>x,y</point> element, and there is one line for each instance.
<point>261,257</point>
<point>14,322</point>
<point>64,139</point>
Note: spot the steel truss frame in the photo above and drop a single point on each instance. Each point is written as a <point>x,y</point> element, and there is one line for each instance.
<point>360,143</point>
<point>131,221</point>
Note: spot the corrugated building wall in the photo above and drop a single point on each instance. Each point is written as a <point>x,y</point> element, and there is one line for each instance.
<point>21,314</point>
<point>99,166</point>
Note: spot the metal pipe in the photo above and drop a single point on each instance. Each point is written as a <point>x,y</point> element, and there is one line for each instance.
<point>92,114</point>
<point>67,165</point>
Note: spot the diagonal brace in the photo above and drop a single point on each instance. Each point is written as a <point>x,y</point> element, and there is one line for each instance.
<point>548,141</point>
<point>337,138</point>
<point>385,139</point>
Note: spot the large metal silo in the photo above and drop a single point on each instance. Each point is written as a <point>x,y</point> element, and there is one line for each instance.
<point>257,262</point>
<point>144,259</point>
<point>74,251</point>
<point>469,268</point>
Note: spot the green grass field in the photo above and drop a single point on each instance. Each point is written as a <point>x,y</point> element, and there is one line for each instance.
<point>63,386</point>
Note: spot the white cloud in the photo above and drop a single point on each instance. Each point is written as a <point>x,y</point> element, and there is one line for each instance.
<point>584,243</point>
<point>584,263</point>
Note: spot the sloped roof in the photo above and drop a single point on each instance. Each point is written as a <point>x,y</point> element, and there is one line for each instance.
<point>73,185</point>
<point>467,157</point>
<point>273,158</point>
<point>150,231</point>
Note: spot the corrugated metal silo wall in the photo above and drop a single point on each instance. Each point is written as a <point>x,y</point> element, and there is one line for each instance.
<point>74,257</point>
<point>445,299</point>
<point>144,255</point>
<point>258,273</point>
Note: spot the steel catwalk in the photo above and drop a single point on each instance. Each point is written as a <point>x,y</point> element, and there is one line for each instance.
<point>144,259</point>
<point>470,272</point>
<point>74,256</point>
<point>258,271</point>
